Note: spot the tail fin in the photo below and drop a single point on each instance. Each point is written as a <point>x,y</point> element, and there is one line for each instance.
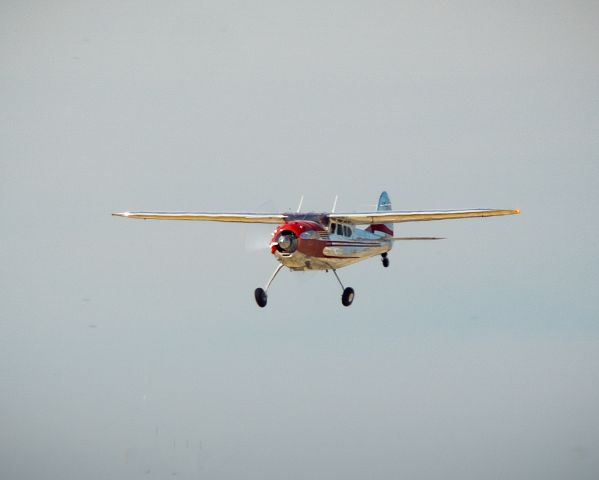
<point>384,228</point>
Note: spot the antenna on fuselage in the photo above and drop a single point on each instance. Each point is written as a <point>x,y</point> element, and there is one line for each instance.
<point>299,207</point>
<point>335,203</point>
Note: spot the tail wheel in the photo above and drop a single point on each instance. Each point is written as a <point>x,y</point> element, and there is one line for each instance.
<point>348,296</point>
<point>261,297</point>
<point>385,259</point>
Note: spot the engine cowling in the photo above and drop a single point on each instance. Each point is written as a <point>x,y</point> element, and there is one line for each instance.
<point>286,238</point>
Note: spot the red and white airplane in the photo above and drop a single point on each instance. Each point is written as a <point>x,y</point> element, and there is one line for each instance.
<point>326,241</point>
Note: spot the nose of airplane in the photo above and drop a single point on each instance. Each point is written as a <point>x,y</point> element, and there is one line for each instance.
<point>286,242</point>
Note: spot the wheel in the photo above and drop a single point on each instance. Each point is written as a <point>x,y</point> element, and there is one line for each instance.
<point>385,262</point>
<point>348,296</point>
<point>261,297</point>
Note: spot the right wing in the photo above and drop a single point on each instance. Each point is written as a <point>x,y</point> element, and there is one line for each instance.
<point>274,218</point>
<point>390,216</point>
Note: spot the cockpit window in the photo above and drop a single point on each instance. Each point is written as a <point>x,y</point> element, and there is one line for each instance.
<point>309,235</point>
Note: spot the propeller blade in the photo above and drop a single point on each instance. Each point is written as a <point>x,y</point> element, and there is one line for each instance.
<point>258,236</point>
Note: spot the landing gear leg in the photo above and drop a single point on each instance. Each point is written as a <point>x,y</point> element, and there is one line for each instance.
<point>385,259</point>
<point>260,293</point>
<point>348,293</point>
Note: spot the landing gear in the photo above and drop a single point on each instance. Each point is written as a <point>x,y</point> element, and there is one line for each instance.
<point>261,297</point>
<point>385,259</point>
<point>348,296</point>
<point>348,293</point>
<point>260,293</point>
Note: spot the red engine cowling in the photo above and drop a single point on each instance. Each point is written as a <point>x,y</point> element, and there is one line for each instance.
<point>287,237</point>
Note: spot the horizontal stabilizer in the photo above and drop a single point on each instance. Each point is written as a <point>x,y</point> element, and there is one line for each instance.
<point>418,238</point>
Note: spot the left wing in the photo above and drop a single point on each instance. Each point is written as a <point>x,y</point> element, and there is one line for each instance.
<point>207,217</point>
<point>363,218</point>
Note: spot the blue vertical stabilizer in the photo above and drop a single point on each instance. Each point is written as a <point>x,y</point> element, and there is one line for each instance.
<point>383,206</point>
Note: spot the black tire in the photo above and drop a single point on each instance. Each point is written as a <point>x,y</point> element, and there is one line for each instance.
<point>348,296</point>
<point>385,262</point>
<point>261,297</point>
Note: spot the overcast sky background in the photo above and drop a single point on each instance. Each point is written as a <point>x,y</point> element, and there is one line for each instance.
<point>134,349</point>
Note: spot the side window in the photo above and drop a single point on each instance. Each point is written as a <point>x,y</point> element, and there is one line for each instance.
<point>332,227</point>
<point>349,232</point>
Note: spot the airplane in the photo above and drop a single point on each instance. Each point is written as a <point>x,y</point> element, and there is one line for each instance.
<point>326,241</point>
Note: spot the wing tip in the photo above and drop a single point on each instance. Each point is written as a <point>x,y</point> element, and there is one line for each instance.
<point>121,214</point>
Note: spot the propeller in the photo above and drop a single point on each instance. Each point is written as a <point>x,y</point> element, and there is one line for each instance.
<point>257,237</point>
<point>287,242</point>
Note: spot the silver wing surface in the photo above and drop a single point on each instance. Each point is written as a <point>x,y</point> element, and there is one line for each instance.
<point>363,218</point>
<point>274,218</point>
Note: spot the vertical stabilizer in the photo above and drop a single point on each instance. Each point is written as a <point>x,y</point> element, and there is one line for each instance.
<point>382,228</point>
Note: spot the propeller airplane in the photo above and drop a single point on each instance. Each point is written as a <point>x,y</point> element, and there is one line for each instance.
<point>327,241</point>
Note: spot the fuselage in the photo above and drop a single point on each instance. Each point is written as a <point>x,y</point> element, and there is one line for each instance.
<point>310,245</point>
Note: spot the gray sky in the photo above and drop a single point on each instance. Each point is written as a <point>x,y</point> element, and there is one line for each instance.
<point>135,350</point>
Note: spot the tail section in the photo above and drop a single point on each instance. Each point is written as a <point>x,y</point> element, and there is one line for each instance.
<point>382,228</point>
